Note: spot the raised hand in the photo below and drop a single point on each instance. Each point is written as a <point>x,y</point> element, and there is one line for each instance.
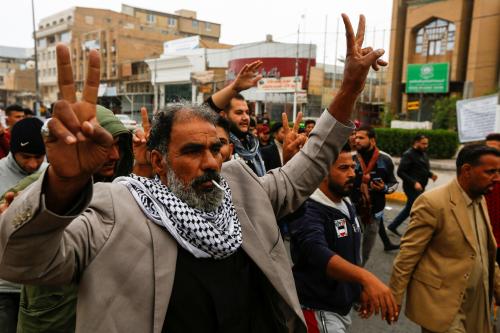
<point>293,141</point>
<point>77,145</point>
<point>140,138</point>
<point>358,59</point>
<point>247,77</point>
<point>357,64</point>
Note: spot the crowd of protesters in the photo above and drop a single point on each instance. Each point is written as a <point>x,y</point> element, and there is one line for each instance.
<point>174,226</point>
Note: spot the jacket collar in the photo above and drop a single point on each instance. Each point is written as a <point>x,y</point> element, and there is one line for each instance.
<point>459,203</point>
<point>13,166</point>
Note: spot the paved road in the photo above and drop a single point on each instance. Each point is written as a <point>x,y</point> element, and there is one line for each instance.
<point>380,264</point>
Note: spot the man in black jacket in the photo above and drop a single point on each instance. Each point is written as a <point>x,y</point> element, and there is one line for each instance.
<point>414,169</point>
<point>325,247</point>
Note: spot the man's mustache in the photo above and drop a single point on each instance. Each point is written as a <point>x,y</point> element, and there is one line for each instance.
<point>206,177</point>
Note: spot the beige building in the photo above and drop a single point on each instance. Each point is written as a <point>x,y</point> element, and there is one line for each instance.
<point>124,40</point>
<point>183,23</point>
<point>464,34</point>
<point>17,76</point>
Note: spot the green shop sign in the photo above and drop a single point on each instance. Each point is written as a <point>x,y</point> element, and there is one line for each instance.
<point>428,78</point>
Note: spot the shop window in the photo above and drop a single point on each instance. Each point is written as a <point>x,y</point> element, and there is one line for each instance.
<point>172,22</point>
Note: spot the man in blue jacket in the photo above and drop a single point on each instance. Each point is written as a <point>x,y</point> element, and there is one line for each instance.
<point>325,247</point>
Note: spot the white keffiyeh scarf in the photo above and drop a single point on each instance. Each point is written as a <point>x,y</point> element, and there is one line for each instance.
<point>214,234</point>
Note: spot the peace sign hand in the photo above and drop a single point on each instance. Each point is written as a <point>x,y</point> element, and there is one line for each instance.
<point>358,60</point>
<point>293,141</point>
<point>77,145</point>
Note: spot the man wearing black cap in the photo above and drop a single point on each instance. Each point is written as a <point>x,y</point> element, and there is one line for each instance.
<point>27,153</point>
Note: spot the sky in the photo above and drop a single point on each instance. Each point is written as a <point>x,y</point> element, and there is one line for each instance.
<point>242,21</point>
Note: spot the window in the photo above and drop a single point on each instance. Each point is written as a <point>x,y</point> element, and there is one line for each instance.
<point>208,26</point>
<point>450,43</point>
<point>1,79</point>
<point>150,18</point>
<point>69,18</point>
<point>61,20</point>
<point>42,42</point>
<point>194,24</point>
<point>172,22</point>
<point>66,37</point>
<point>436,38</point>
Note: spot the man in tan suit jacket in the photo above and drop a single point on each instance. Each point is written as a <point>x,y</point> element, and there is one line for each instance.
<point>63,229</point>
<point>446,263</point>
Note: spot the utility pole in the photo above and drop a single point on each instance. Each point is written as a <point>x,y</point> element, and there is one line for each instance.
<point>335,60</point>
<point>296,79</point>
<point>324,61</point>
<point>37,86</point>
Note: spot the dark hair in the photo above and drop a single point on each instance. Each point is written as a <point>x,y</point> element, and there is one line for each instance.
<point>309,121</point>
<point>346,148</point>
<point>418,137</point>
<point>13,107</point>
<point>224,124</point>
<point>369,130</point>
<point>164,120</point>
<point>238,97</point>
<point>253,123</point>
<point>493,137</point>
<point>28,112</point>
<point>471,154</point>
<point>276,127</point>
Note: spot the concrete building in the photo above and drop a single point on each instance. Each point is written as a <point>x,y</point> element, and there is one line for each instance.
<point>183,23</point>
<point>188,69</point>
<point>17,76</point>
<point>124,40</point>
<point>461,35</point>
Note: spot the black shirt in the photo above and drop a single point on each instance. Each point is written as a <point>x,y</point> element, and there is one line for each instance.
<point>414,167</point>
<point>384,168</point>
<point>216,296</point>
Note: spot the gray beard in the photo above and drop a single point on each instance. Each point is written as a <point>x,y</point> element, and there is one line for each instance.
<point>205,201</point>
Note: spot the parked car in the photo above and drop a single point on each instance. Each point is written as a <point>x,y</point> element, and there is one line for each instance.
<point>130,124</point>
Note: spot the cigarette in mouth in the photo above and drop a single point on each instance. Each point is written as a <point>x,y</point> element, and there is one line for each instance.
<point>217,184</point>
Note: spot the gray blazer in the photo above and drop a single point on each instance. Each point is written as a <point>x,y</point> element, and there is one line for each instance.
<point>125,265</point>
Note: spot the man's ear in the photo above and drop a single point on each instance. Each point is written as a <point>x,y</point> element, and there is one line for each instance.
<point>223,114</point>
<point>231,145</point>
<point>158,163</point>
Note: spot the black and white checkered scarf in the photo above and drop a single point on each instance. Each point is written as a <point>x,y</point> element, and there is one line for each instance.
<point>214,234</point>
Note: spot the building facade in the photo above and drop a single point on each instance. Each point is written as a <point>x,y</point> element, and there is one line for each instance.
<point>17,76</point>
<point>183,23</point>
<point>458,38</point>
<point>124,41</point>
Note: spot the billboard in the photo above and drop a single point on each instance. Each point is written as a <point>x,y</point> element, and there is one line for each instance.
<point>287,84</point>
<point>428,78</point>
<point>477,117</point>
